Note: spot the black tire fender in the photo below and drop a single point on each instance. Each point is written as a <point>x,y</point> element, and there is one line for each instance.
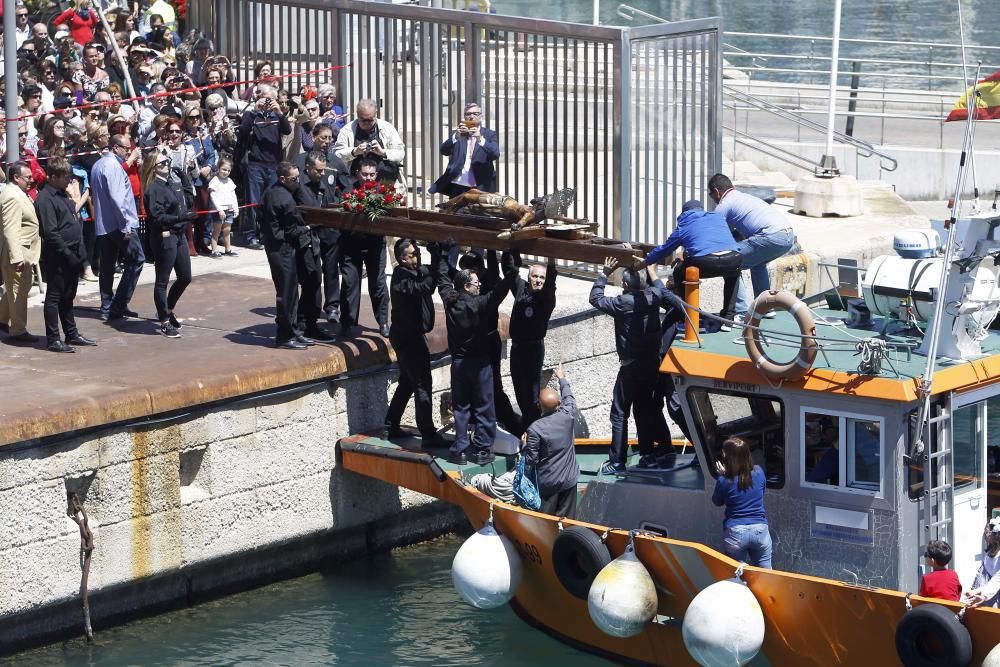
<point>577,556</point>
<point>931,635</point>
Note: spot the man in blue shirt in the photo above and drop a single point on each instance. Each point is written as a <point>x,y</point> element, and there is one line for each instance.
<point>707,245</point>
<point>117,227</point>
<point>765,234</point>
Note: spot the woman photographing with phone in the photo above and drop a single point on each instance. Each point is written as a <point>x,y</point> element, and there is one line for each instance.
<point>740,487</point>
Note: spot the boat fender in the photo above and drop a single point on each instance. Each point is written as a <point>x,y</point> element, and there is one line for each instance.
<point>783,300</point>
<point>723,625</point>
<point>487,569</point>
<point>622,599</point>
<point>993,657</point>
<point>931,634</point>
<point>577,556</point>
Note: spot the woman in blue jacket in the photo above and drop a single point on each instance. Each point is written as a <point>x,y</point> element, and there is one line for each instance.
<point>740,487</point>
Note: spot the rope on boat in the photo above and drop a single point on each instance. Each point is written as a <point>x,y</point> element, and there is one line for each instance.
<point>873,353</point>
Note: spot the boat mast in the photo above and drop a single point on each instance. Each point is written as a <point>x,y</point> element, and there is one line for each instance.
<point>972,106</point>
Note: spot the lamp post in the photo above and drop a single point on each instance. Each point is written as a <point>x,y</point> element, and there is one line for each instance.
<point>828,192</point>
<point>828,165</point>
<point>10,78</point>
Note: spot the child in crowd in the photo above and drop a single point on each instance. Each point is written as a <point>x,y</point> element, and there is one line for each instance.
<point>223,193</point>
<point>941,583</point>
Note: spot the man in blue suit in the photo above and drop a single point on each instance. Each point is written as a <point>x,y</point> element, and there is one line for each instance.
<point>472,152</point>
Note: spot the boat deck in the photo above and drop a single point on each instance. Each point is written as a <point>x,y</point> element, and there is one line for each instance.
<point>686,474</point>
<point>722,356</point>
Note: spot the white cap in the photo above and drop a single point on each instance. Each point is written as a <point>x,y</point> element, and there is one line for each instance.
<point>60,34</point>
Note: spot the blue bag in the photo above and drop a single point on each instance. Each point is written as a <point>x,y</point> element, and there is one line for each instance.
<point>526,488</point>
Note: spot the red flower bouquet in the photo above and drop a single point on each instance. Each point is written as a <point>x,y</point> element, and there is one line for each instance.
<point>373,199</point>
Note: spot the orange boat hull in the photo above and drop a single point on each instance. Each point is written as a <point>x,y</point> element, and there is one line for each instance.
<point>809,621</point>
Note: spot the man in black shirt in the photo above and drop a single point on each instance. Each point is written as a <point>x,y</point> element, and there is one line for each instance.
<point>62,256</point>
<point>534,301</point>
<point>363,251</point>
<point>637,339</point>
<point>411,292</point>
<point>317,262</point>
<point>489,274</point>
<point>285,234</point>
<point>259,141</point>
<point>469,325</point>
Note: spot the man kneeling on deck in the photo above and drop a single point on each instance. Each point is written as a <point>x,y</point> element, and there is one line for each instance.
<point>548,447</point>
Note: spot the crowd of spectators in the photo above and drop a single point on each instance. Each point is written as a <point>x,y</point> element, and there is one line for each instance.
<point>71,85</point>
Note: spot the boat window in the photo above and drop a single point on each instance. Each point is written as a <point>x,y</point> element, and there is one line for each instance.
<point>841,451</point>
<point>757,419</point>
<point>973,427</point>
<point>968,424</point>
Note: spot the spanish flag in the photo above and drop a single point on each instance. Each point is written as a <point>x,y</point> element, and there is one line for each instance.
<point>987,103</point>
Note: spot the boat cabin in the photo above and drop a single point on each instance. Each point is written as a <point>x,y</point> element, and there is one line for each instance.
<point>856,487</point>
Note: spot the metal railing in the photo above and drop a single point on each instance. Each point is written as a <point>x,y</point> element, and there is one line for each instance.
<point>627,116</point>
<point>938,64</point>
<point>863,148</point>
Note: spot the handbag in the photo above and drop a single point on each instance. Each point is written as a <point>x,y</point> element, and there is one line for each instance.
<point>525,488</point>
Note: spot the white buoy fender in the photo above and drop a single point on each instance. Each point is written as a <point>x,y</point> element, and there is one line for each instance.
<point>487,569</point>
<point>993,657</point>
<point>622,599</point>
<point>724,625</point>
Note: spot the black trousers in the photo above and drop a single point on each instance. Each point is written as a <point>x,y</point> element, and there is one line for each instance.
<point>726,266</point>
<point>281,259</point>
<point>562,504</point>
<point>329,252</point>
<point>414,380</point>
<point>169,254</point>
<point>526,359</point>
<point>309,275</point>
<point>114,246</point>
<point>633,393</point>
<point>357,251</point>
<point>60,290</point>
<point>505,413</point>
<point>472,403</point>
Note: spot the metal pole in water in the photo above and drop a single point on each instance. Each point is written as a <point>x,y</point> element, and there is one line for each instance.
<point>829,163</point>
<point>597,12</point>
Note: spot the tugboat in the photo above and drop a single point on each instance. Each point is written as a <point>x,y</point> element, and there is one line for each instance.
<point>900,378</point>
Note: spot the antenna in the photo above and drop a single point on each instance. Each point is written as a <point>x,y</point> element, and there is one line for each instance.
<point>917,447</point>
<point>973,109</point>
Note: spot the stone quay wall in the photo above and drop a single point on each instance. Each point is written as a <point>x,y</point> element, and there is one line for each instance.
<point>229,496</point>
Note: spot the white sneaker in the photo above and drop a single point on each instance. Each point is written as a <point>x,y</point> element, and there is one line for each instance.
<point>738,320</point>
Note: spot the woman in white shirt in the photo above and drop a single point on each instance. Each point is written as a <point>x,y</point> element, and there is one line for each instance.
<point>985,589</point>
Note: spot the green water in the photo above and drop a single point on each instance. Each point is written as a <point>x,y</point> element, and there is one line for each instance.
<point>393,609</point>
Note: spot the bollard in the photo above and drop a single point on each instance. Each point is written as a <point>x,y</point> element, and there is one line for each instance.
<point>692,296</point>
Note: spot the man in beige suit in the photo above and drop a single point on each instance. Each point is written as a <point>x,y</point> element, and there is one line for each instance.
<point>20,246</point>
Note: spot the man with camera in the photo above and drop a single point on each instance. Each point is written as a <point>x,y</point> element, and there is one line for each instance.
<point>259,141</point>
<point>368,137</point>
<point>286,239</point>
<point>472,152</point>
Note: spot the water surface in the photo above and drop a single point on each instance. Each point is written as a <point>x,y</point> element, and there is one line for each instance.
<point>393,609</point>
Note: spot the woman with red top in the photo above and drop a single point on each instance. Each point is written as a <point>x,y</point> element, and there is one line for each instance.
<point>81,20</point>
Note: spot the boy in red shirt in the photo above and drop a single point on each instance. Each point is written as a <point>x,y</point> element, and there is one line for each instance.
<point>942,583</point>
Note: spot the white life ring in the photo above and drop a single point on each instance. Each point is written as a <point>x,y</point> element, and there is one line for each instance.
<point>786,301</point>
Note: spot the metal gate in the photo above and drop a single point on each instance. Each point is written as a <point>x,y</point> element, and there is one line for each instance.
<point>626,116</point>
